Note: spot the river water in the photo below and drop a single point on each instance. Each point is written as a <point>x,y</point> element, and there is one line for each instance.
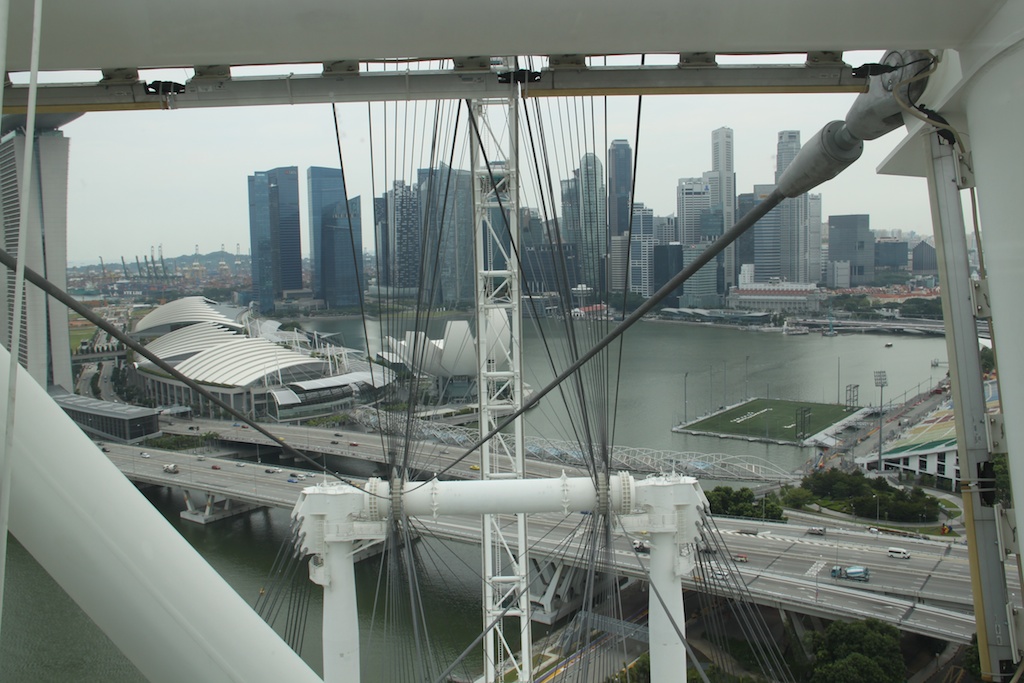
<point>669,371</point>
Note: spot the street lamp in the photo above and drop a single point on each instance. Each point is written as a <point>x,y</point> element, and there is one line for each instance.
<point>746,378</point>
<point>725,383</point>
<point>711,391</point>
<point>880,382</point>
<point>685,375</point>
<point>876,507</point>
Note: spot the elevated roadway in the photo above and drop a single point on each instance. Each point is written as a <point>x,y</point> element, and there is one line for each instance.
<point>785,567</point>
<point>436,446</point>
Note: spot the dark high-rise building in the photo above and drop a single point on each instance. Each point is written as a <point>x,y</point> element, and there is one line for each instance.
<point>448,220</point>
<point>336,249</point>
<point>745,243</point>
<point>400,264</point>
<point>666,262</point>
<point>767,240</point>
<point>381,234</point>
<point>892,254</point>
<point>274,234</point>
<point>925,260</point>
<point>550,267</point>
<point>850,239</point>
<point>620,184</point>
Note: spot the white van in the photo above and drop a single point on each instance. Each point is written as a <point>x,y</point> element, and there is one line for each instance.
<point>899,553</point>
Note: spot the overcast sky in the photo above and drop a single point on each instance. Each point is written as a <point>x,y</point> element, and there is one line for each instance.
<point>178,178</point>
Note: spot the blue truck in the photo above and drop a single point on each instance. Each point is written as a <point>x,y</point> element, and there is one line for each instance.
<point>853,573</point>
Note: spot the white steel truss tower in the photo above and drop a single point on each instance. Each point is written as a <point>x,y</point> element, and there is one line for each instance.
<point>496,204</point>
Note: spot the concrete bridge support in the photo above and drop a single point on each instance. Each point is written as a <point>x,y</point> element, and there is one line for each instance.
<point>202,507</point>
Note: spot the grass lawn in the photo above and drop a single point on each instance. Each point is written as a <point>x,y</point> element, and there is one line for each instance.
<point>952,510</point>
<point>78,334</point>
<point>772,419</point>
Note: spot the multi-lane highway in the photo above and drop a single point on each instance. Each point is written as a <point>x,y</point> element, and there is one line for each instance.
<point>786,566</point>
<point>428,456</point>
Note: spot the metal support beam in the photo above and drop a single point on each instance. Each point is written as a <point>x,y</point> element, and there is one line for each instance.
<point>996,638</point>
<point>344,82</point>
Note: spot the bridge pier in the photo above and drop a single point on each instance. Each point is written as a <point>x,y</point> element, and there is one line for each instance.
<point>556,589</point>
<point>202,507</point>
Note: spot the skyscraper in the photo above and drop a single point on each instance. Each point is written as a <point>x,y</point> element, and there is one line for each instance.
<point>403,239</point>
<point>620,184</point>
<point>792,215</point>
<point>850,239</point>
<point>592,244</point>
<point>336,249</point>
<point>722,164</point>
<point>448,219</point>
<point>641,252</point>
<point>767,242</point>
<point>693,195</point>
<point>814,265</point>
<point>274,234</point>
<point>43,349</point>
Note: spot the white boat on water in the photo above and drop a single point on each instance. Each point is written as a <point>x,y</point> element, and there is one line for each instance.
<point>794,329</point>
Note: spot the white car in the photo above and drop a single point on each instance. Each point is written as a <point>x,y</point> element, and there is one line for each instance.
<point>144,454</point>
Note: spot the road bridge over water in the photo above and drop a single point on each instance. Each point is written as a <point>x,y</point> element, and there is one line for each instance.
<point>442,444</point>
<point>785,568</point>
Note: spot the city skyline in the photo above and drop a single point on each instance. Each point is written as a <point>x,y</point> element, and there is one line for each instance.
<point>178,178</point>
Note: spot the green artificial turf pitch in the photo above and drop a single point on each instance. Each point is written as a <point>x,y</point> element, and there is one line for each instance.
<point>772,419</point>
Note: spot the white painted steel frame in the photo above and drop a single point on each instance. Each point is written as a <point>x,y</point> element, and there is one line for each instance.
<point>500,382</point>
<point>135,576</point>
<point>335,517</point>
<point>992,604</point>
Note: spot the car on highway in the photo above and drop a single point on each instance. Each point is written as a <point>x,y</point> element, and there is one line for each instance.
<point>269,470</point>
<point>338,434</point>
<point>334,443</point>
<point>816,531</point>
<point>293,480</point>
<point>171,468</point>
<point>239,464</point>
<point>214,467</point>
<point>475,468</point>
<point>105,449</point>
<point>642,547</point>
<point>352,443</point>
<point>200,458</point>
<point>144,454</point>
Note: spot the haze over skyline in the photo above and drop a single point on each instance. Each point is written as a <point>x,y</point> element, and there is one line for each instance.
<point>178,178</point>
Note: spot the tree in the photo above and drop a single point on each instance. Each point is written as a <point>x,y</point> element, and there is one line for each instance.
<point>988,360</point>
<point>1001,467</point>
<point>922,308</point>
<point>862,651</point>
<point>797,497</point>
<point>855,668</point>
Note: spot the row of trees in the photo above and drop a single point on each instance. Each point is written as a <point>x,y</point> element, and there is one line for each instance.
<point>846,652</point>
<point>864,497</point>
<point>856,493</point>
<point>742,502</point>
<point>860,306</point>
